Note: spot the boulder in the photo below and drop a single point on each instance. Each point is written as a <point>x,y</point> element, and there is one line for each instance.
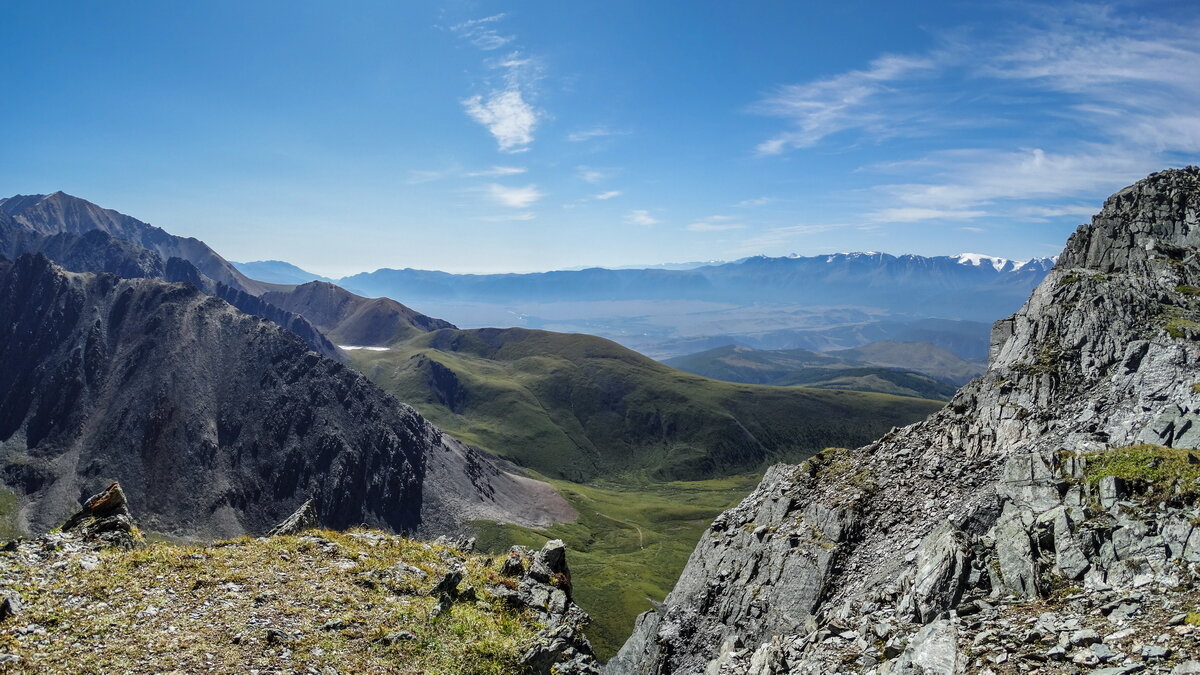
<point>105,519</point>
<point>304,518</point>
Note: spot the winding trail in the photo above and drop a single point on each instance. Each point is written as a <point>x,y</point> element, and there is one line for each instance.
<point>641,539</point>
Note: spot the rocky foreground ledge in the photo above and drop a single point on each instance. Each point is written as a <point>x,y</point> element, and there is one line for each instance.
<point>1046,521</point>
<point>96,597</point>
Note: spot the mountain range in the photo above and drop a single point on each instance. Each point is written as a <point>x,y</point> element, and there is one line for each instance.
<point>834,301</point>
<point>967,286</point>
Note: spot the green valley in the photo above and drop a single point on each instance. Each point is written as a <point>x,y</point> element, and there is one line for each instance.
<point>578,407</point>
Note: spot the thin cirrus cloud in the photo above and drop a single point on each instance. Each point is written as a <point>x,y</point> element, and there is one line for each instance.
<point>593,133</point>
<point>777,237</point>
<point>514,197</point>
<point>506,110</point>
<point>607,195</point>
<point>483,33</point>
<point>1125,82</point>
<point>715,224</point>
<point>973,183</point>
<point>590,174</point>
<point>825,107</point>
<point>641,217</point>
<point>750,203</point>
<point>498,171</point>
<point>704,226</point>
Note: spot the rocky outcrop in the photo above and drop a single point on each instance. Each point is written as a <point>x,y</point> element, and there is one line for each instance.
<point>1021,528</point>
<point>304,518</point>
<point>541,582</point>
<point>105,519</point>
<point>216,423</point>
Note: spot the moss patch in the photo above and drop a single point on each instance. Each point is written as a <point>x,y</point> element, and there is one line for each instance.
<point>1155,469</point>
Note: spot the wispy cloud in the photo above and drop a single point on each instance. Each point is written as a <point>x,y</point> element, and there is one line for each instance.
<point>593,133</point>
<point>515,197</point>
<point>509,217</point>
<point>1121,80</point>
<point>641,217</point>
<point>777,237</point>
<point>482,32</point>
<point>825,107</point>
<point>419,176</point>
<point>498,171</point>
<point>972,183</point>
<point>968,228</point>
<point>707,226</point>
<point>607,195</point>
<point>591,174</point>
<point>750,203</point>
<point>506,110</point>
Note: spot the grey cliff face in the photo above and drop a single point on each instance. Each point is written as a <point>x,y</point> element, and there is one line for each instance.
<point>976,540</point>
<point>215,422</point>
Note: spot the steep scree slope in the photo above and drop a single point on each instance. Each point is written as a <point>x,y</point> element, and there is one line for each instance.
<point>1023,527</point>
<point>217,422</point>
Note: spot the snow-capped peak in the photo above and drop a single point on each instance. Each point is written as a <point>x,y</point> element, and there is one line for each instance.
<point>979,260</point>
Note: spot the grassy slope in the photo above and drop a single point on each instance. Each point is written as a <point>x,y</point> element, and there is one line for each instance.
<point>176,608</point>
<point>580,407</point>
<point>629,544</point>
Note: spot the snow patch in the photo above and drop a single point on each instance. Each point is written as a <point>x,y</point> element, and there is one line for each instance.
<point>979,260</point>
<point>370,349</point>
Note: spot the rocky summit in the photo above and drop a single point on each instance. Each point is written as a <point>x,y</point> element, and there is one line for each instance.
<point>1046,520</point>
<point>95,597</point>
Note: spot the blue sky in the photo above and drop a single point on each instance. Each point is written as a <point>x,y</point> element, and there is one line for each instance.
<point>491,136</point>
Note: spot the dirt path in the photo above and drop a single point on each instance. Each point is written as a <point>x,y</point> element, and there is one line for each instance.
<point>641,539</point>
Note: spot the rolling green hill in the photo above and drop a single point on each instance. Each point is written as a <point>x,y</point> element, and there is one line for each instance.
<point>579,407</point>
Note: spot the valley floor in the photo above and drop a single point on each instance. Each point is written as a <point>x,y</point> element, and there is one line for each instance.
<point>629,544</point>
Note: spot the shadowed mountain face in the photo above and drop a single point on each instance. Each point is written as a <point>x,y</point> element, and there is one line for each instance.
<point>215,422</point>
<point>99,252</point>
<point>59,212</point>
<point>83,237</point>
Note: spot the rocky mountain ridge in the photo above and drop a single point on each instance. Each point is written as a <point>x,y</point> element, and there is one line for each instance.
<point>217,422</point>
<point>83,237</point>
<point>1044,521</point>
